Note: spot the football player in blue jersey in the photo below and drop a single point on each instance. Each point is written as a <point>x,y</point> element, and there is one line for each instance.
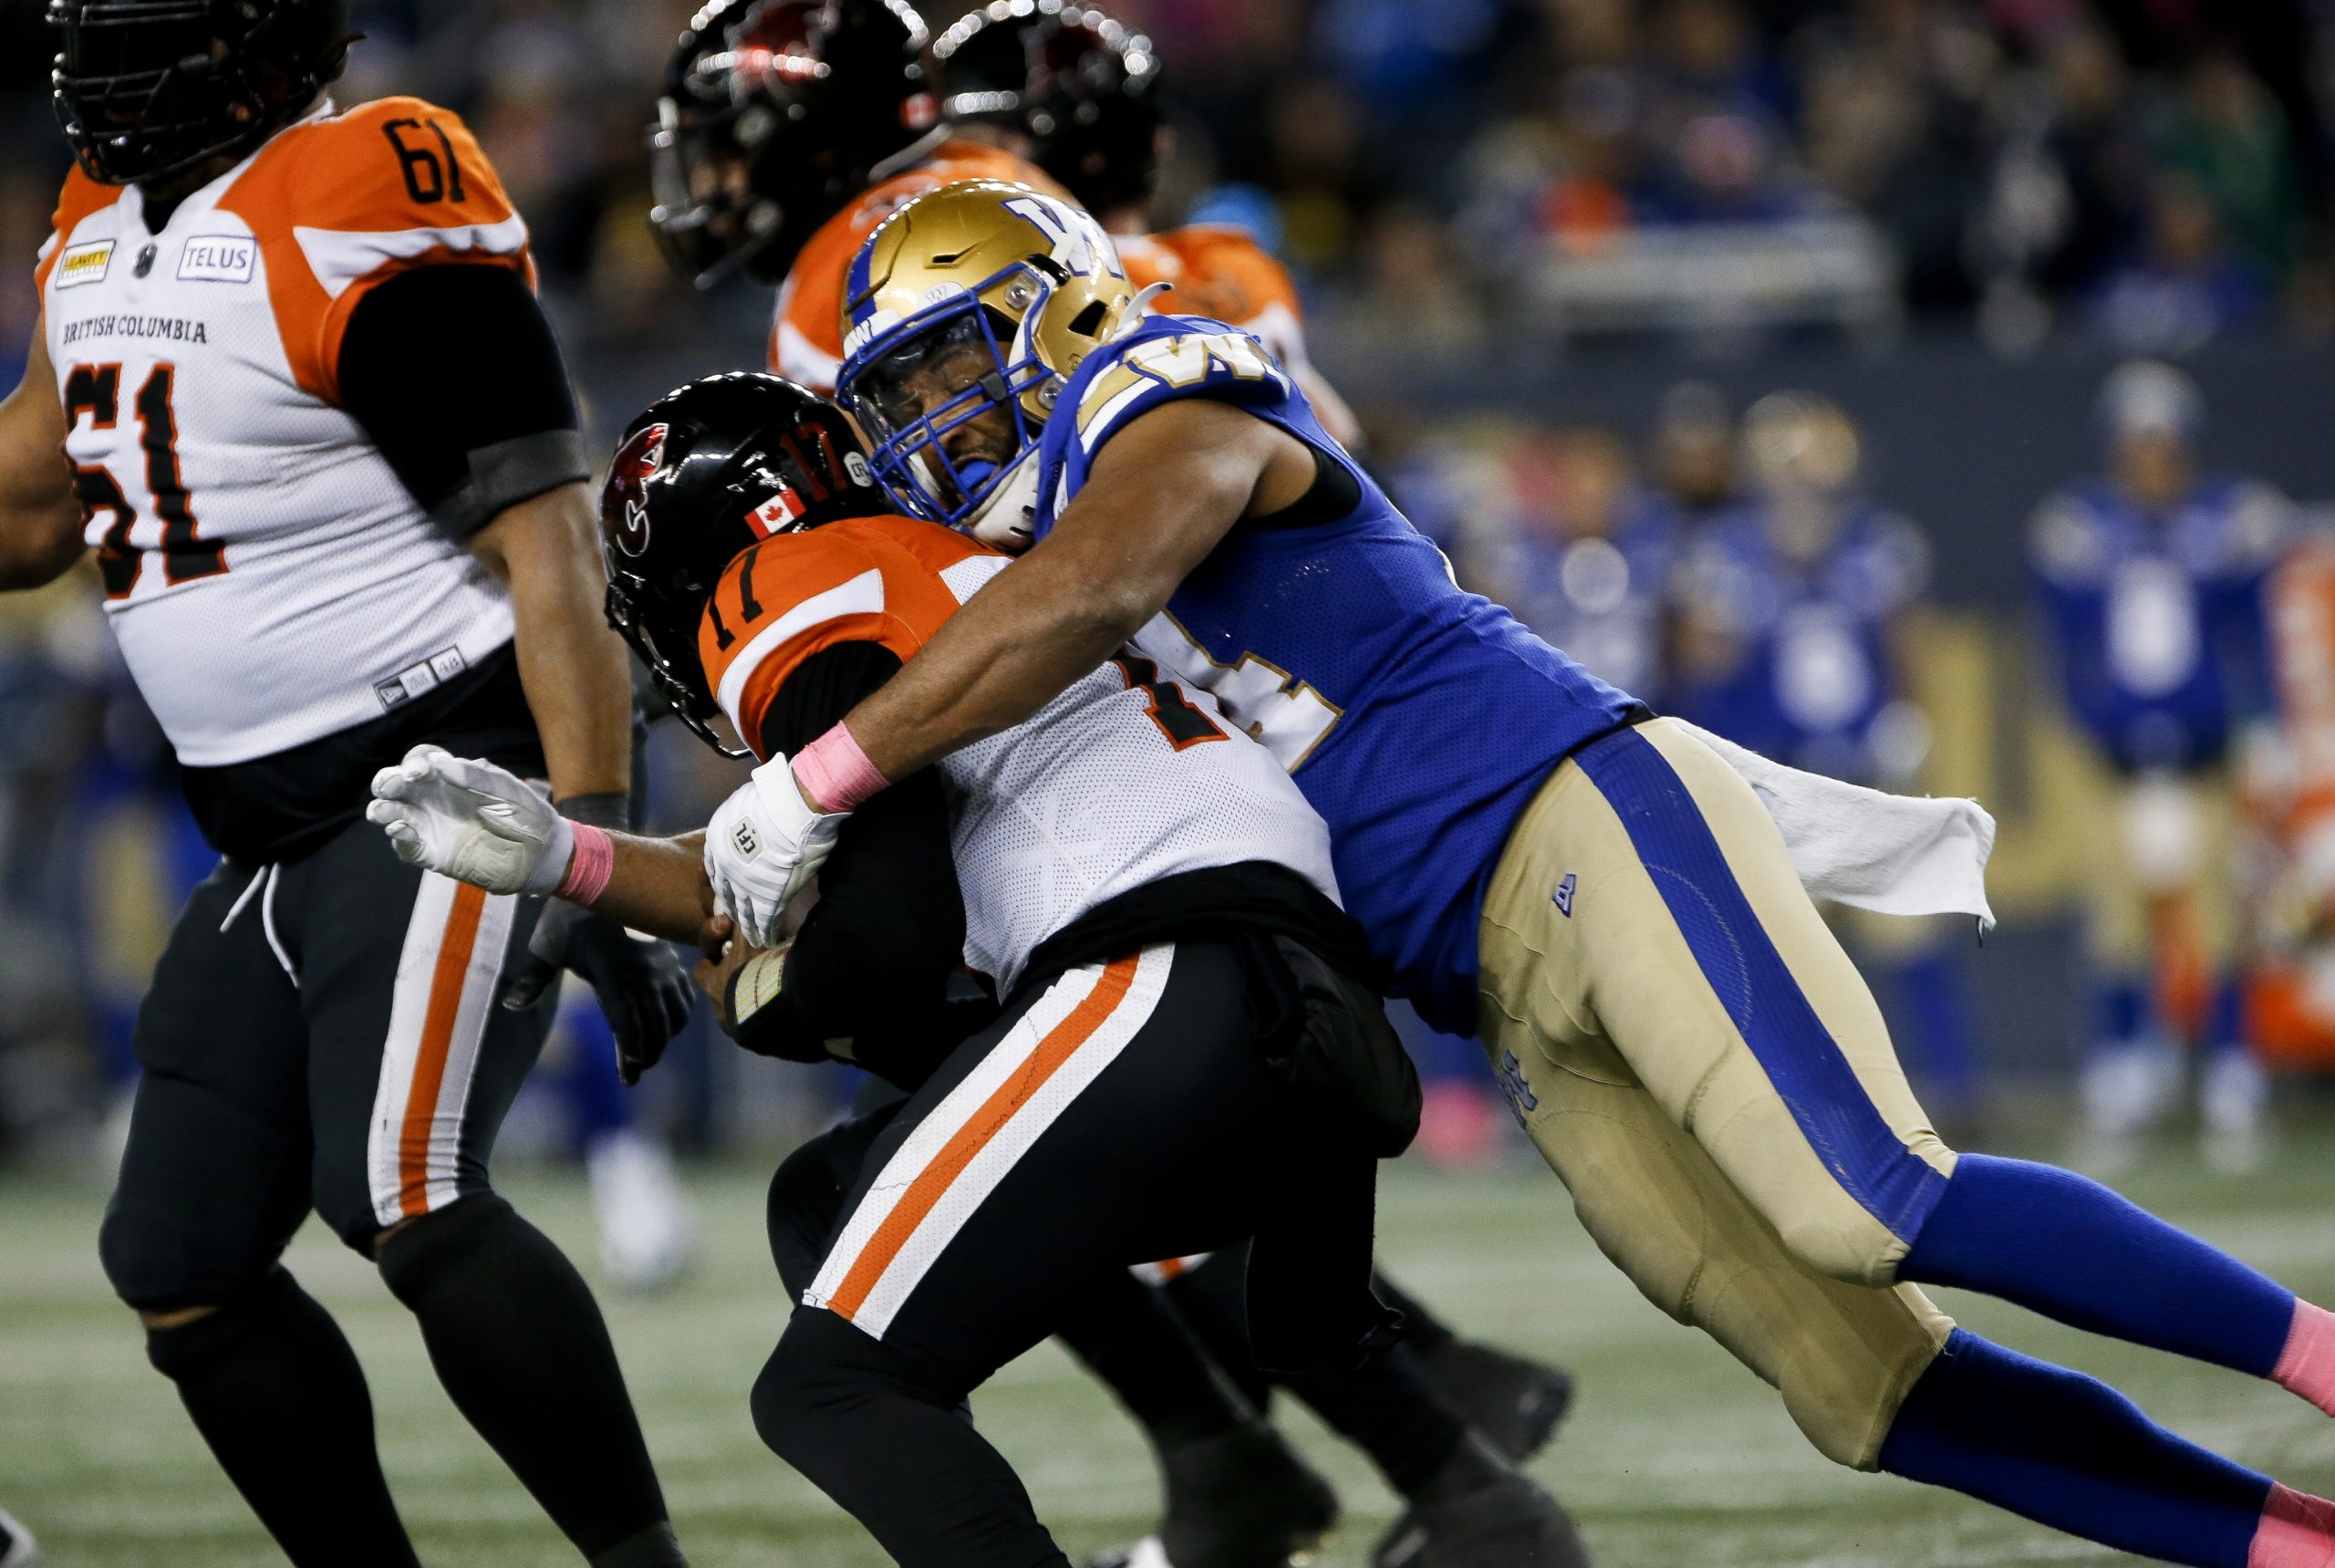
<point>1536,859</point>
<point>2151,577</point>
<point>1795,614</point>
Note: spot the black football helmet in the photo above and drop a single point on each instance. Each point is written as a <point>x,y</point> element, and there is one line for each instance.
<point>706,472</point>
<point>1084,88</point>
<point>776,113</point>
<point>149,88</point>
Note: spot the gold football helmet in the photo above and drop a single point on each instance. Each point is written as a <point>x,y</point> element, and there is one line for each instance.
<point>964,315</point>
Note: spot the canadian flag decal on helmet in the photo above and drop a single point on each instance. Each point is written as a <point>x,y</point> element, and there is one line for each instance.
<point>776,514</point>
<point>642,454</point>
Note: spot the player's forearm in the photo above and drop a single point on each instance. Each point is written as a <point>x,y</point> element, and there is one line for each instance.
<point>1161,496</point>
<point>572,666</point>
<point>1014,647</point>
<point>658,885</point>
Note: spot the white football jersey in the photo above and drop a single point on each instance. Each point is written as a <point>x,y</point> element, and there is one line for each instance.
<point>270,579</point>
<point>1127,777</point>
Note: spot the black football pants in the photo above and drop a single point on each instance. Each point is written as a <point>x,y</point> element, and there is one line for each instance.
<point>1118,1114</point>
<point>325,1035</point>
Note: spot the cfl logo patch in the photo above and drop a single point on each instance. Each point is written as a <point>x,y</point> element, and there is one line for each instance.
<point>743,839</point>
<point>1520,1097</point>
<point>1563,896</point>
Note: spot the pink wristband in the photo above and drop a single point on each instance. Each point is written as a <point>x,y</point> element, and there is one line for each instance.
<point>834,772</point>
<point>589,868</point>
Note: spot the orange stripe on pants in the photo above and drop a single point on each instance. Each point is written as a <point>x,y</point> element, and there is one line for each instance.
<point>446,981</point>
<point>978,1130</point>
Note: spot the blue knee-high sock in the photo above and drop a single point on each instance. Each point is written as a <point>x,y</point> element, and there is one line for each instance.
<point>2067,1247</point>
<point>2120,1007</point>
<point>2226,1030</point>
<point>2069,1451</point>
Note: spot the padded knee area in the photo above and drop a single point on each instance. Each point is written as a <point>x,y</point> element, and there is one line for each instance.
<point>1844,1376</point>
<point>146,1265</point>
<point>808,1374</point>
<point>190,1348</point>
<point>823,1366</point>
<point>1853,1248</point>
<point>156,1262</point>
<point>426,1248</point>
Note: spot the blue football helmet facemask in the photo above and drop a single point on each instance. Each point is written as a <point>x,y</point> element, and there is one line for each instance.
<point>914,387</point>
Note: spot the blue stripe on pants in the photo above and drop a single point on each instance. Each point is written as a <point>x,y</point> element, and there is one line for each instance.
<point>1891,1182</point>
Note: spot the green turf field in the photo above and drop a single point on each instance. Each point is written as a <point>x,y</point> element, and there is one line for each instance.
<point>1674,1454</point>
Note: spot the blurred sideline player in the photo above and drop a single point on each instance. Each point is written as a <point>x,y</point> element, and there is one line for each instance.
<point>317,430</point>
<point>2151,578</point>
<point>758,574</point>
<point>1794,615</point>
<point>764,160</point>
<point>1610,900</point>
<point>1581,554</point>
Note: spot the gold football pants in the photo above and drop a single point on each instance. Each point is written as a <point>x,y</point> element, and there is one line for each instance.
<point>1702,1065</point>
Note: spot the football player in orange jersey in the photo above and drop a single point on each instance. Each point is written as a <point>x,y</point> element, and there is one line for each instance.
<point>787,130</point>
<point>1069,88</point>
<point>317,432</point>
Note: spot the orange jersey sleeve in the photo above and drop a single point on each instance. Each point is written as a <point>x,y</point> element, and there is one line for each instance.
<point>79,198</point>
<point>1218,270</point>
<point>885,581</point>
<point>806,339</point>
<point>341,203</point>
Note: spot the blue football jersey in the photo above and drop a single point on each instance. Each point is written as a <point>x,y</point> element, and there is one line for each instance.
<point>1418,718</point>
<point>1789,654</point>
<point>2158,622</point>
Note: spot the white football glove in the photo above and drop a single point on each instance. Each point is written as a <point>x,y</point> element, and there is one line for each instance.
<point>472,821</point>
<point>764,847</point>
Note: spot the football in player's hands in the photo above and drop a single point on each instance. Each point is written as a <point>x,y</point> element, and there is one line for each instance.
<point>472,821</point>
<point>762,847</point>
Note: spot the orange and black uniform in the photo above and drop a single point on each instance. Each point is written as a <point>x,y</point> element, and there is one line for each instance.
<point>340,338</point>
<point>1124,1105</point>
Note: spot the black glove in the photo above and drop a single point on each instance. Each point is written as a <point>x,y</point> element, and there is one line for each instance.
<point>643,989</point>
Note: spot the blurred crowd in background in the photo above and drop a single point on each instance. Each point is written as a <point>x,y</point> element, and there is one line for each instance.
<point>2146,693</point>
<point>2152,171</point>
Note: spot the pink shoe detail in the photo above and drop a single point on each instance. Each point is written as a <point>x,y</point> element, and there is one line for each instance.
<point>2307,1365</point>
<point>2298,1530</point>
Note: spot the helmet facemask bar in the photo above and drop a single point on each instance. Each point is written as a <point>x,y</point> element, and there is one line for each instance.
<point>910,455</point>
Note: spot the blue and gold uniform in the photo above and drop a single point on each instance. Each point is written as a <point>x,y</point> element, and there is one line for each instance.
<point>1601,898</point>
<point>1674,1023</point>
<point>1351,652</point>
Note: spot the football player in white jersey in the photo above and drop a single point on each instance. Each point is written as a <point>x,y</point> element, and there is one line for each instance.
<point>1140,880</point>
<point>315,428</point>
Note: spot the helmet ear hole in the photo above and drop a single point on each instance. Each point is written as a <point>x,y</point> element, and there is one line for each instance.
<point>1089,321</point>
